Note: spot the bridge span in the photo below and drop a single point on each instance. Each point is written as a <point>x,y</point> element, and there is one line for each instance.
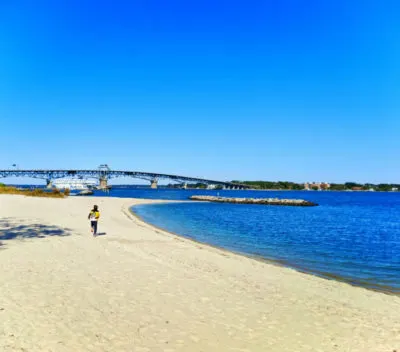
<point>103,174</point>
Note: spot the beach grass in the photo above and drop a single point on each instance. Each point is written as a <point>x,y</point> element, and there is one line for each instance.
<point>36,192</point>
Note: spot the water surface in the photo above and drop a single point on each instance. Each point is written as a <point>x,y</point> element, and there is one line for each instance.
<point>354,236</point>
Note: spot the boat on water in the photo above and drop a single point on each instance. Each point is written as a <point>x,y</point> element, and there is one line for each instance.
<point>107,188</point>
<point>85,192</point>
<point>75,184</point>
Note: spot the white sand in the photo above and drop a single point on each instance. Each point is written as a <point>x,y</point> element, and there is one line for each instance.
<point>140,289</point>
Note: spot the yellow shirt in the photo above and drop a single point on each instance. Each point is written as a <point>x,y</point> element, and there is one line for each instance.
<point>94,215</point>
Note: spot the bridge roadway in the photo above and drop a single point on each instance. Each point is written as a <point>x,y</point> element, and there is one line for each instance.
<point>104,175</point>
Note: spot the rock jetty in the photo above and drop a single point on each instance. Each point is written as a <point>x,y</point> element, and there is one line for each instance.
<point>265,201</point>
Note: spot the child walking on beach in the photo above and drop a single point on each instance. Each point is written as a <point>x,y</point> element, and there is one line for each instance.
<point>94,218</point>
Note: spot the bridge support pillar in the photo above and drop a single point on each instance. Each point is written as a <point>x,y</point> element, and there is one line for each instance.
<point>103,184</point>
<point>49,183</point>
<point>154,183</point>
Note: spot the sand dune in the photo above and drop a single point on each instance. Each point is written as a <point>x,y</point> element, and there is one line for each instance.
<point>137,288</point>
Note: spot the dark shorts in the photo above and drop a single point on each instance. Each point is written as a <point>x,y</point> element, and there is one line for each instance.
<point>94,226</point>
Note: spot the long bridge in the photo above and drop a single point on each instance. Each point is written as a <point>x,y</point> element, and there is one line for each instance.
<point>104,173</point>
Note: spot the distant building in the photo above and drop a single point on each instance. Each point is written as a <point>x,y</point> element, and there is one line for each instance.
<point>316,185</point>
<point>356,188</point>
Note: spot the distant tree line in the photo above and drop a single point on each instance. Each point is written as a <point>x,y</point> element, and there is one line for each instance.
<point>380,187</point>
<point>347,186</point>
<point>286,185</point>
<point>272,185</point>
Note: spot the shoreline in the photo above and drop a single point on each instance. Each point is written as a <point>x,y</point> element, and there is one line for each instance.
<point>136,287</point>
<point>388,290</point>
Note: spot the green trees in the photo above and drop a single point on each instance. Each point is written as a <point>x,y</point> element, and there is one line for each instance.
<point>337,187</point>
<point>350,185</point>
<point>385,187</point>
<point>286,185</point>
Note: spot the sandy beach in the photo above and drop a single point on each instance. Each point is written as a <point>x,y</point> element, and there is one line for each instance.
<point>137,288</point>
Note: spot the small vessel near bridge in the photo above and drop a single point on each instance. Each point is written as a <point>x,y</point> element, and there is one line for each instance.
<point>85,192</point>
<point>75,184</point>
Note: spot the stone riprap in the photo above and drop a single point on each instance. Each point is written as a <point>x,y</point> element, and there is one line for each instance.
<point>264,201</point>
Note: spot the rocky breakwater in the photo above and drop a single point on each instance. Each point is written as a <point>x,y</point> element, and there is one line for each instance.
<point>264,201</point>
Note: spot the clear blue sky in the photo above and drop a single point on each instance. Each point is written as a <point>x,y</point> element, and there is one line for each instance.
<point>272,90</point>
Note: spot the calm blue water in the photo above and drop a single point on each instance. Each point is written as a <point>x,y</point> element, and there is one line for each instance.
<point>354,236</point>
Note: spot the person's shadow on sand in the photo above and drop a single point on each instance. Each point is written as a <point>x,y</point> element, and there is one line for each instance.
<point>101,234</point>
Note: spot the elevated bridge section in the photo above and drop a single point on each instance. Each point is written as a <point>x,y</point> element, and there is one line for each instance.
<point>103,175</point>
